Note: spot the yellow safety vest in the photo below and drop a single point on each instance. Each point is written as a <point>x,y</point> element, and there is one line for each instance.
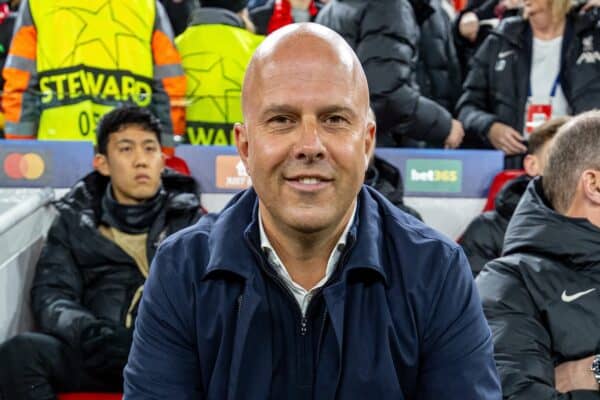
<point>214,58</point>
<point>92,55</point>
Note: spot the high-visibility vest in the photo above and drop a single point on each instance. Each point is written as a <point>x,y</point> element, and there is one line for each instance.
<point>92,55</point>
<point>214,58</point>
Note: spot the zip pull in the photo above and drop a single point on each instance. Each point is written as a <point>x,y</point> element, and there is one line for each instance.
<point>303,326</point>
<point>239,304</point>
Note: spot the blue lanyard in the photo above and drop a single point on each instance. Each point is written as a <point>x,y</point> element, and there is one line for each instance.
<point>552,91</point>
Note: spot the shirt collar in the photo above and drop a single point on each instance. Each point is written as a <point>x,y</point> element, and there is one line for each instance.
<point>276,262</point>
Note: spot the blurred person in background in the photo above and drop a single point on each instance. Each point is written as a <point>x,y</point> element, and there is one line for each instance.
<point>179,12</point>
<point>385,36</point>
<point>543,65</point>
<point>215,50</point>
<point>68,66</point>
<point>438,69</point>
<point>7,24</point>
<point>475,22</point>
<point>483,239</point>
<point>274,14</point>
<point>541,297</point>
<point>90,275</point>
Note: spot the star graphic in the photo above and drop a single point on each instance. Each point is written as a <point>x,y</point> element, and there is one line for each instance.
<point>200,72</point>
<point>101,26</point>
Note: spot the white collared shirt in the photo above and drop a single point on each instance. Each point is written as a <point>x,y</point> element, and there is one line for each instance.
<point>302,295</point>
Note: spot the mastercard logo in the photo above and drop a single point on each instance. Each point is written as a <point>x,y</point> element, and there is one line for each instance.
<point>28,166</point>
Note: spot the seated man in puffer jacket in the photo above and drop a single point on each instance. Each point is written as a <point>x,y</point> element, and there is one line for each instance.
<point>91,272</point>
<point>483,239</point>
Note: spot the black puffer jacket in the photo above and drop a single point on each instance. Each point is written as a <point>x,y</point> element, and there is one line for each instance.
<point>384,34</point>
<point>438,70</point>
<point>495,89</point>
<point>483,238</point>
<point>81,275</point>
<point>542,298</point>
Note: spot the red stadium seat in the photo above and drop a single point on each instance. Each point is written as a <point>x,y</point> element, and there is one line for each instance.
<point>497,183</point>
<point>178,164</point>
<point>90,396</point>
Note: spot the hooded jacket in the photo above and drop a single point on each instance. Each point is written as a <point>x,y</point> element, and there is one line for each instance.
<point>483,238</point>
<point>541,298</point>
<point>402,318</point>
<point>82,276</point>
<point>385,36</point>
<point>496,87</point>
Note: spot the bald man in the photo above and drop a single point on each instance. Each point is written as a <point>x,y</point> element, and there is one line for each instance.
<point>309,285</point>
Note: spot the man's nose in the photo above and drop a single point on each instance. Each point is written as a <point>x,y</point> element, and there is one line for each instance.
<point>310,145</point>
<point>140,158</point>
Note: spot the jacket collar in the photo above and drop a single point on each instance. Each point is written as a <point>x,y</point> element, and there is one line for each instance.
<point>213,16</point>
<point>86,195</point>
<point>235,244</point>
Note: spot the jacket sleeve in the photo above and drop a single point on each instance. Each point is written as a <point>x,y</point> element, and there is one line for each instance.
<point>19,101</point>
<point>521,342</point>
<point>168,98</point>
<point>387,50</point>
<point>58,288</point>
<point>479,243</point>
<point>163,362</point>
<point>474,107</point>
<point>457,356</point>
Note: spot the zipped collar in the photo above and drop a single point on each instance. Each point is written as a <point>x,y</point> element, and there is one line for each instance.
<point>237,228</point>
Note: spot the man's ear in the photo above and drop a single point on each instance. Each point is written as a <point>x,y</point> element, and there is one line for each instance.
<point>591,185</point>
<point>101,164</point>
<point>241,142</point>
<point>370,142</point>
<point>531,165</point>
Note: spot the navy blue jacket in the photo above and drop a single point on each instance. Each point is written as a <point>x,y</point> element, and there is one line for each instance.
<point>406,317</point>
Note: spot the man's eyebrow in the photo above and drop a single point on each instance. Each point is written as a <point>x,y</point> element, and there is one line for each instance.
<point>338,109</point>
<point>125,141</point>
<point>280,108</point>
<point>130,141</point>
<point>289,109</point>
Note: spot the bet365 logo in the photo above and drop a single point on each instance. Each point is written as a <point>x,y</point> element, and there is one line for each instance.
<point>433,175</point>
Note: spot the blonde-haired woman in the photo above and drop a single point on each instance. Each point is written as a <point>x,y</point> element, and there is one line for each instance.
<point>533,68</point>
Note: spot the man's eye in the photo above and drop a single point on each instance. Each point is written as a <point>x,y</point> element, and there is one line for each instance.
<point>336,120</point>
<point>151,149</point>
<point>281,120</point>
<point>124,149</point>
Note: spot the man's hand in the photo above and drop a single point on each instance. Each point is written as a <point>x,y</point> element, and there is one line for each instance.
<point>468,26</point>
<point>505,138</point>
<point>105,347</point>
<point>589,5</point>
<point>454,139</point>
<point>575,375</point>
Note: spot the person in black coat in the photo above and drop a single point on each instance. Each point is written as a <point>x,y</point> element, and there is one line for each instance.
<point>483,239</point>
<point>385,36</point>
<point>497,89</point>
<point>438,70</point>
<point>541,297</point>
<point>91,272</point>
